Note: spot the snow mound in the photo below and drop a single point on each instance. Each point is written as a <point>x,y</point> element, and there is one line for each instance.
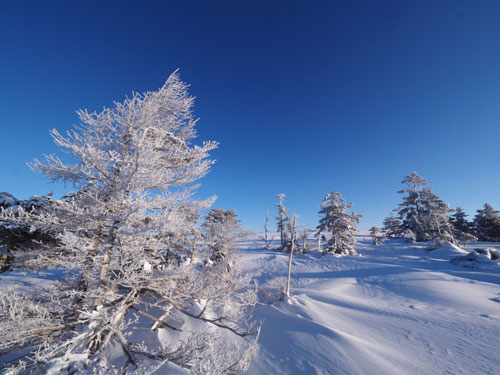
<point>478,257</point>
<point>447,251</point>
<point>7,200</point>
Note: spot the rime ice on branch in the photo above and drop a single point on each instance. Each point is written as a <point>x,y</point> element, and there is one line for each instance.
<point>125,235</point>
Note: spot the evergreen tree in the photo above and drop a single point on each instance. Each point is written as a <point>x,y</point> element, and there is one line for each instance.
<point>433,221</point>
<point>462,228</point>
<point>282,221</point>
<point>487,224</point>
<point>222,229</point>
<point>392,226</point>
<point>340,224</point>
<point>411,206</point>
<point>424,216</point>
<point>459,221</point>
<point>135,169</point>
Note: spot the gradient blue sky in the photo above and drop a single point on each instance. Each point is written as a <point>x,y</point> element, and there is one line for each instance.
<point>305,97</point>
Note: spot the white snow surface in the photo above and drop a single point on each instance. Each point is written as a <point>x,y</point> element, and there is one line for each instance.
<point>394,309</point>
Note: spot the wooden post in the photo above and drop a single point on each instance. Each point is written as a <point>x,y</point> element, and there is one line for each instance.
<point>265,227</point>
<point>287,291</point>
<point>304,239</point>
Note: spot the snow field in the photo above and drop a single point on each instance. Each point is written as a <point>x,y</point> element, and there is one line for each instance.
<point>395,309</point>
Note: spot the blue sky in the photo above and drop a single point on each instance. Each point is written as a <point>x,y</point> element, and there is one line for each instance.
<point>305,97</point>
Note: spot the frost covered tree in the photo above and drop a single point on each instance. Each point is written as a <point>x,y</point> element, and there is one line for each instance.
<point>409,210</point>
<point>462,228</point>
<point>487,224</point>
<point>303,237</point>
<point>459,221</point>
<point>424,216</point>
<point>18,235</point>
<point>129,303</point>
<point>292,238</point>
<point>221,230</point>
<point>463,237</point>
<point>282,221</point>
<point>433,222</point>
<point>377,235</point>
<point>341,225</point>
<point>392,226</point>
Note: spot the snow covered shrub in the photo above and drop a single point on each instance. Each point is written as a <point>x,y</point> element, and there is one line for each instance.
<point>16,235</point>
<point>409,236</point>
<point>340,224</point>
<point>7,200</point>
<point>129,302</point>
<point>304,248</point>
<point>377,235</point>
<point>221,230</point>
<point>274,290</point>
<point>489,252</point>
<point>477,257</point>
<point>5,260</point>
<point>463,237</point>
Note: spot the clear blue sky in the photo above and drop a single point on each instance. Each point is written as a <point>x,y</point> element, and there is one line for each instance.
<point>305,97</point>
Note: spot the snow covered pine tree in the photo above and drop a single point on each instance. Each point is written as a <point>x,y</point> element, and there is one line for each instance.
<point>487,224</point>
<point>127,305</point>
<point>392,226</point>
<point>410,208</point>
<point>434,219</point>
<point>459,221</point>
<point>282,221</point>
<point>462,228</point>
<point>424,215</point>
<point>339,223</point>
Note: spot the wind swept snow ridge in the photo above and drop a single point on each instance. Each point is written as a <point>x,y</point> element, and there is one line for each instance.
<point>398,308</point>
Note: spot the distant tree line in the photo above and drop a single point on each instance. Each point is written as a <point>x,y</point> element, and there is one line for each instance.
<point>423,216</point>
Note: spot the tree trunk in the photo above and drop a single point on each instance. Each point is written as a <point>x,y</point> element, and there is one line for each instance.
<point>193,251</point>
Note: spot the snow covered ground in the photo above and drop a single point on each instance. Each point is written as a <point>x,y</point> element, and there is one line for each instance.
<point>395,309</point>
